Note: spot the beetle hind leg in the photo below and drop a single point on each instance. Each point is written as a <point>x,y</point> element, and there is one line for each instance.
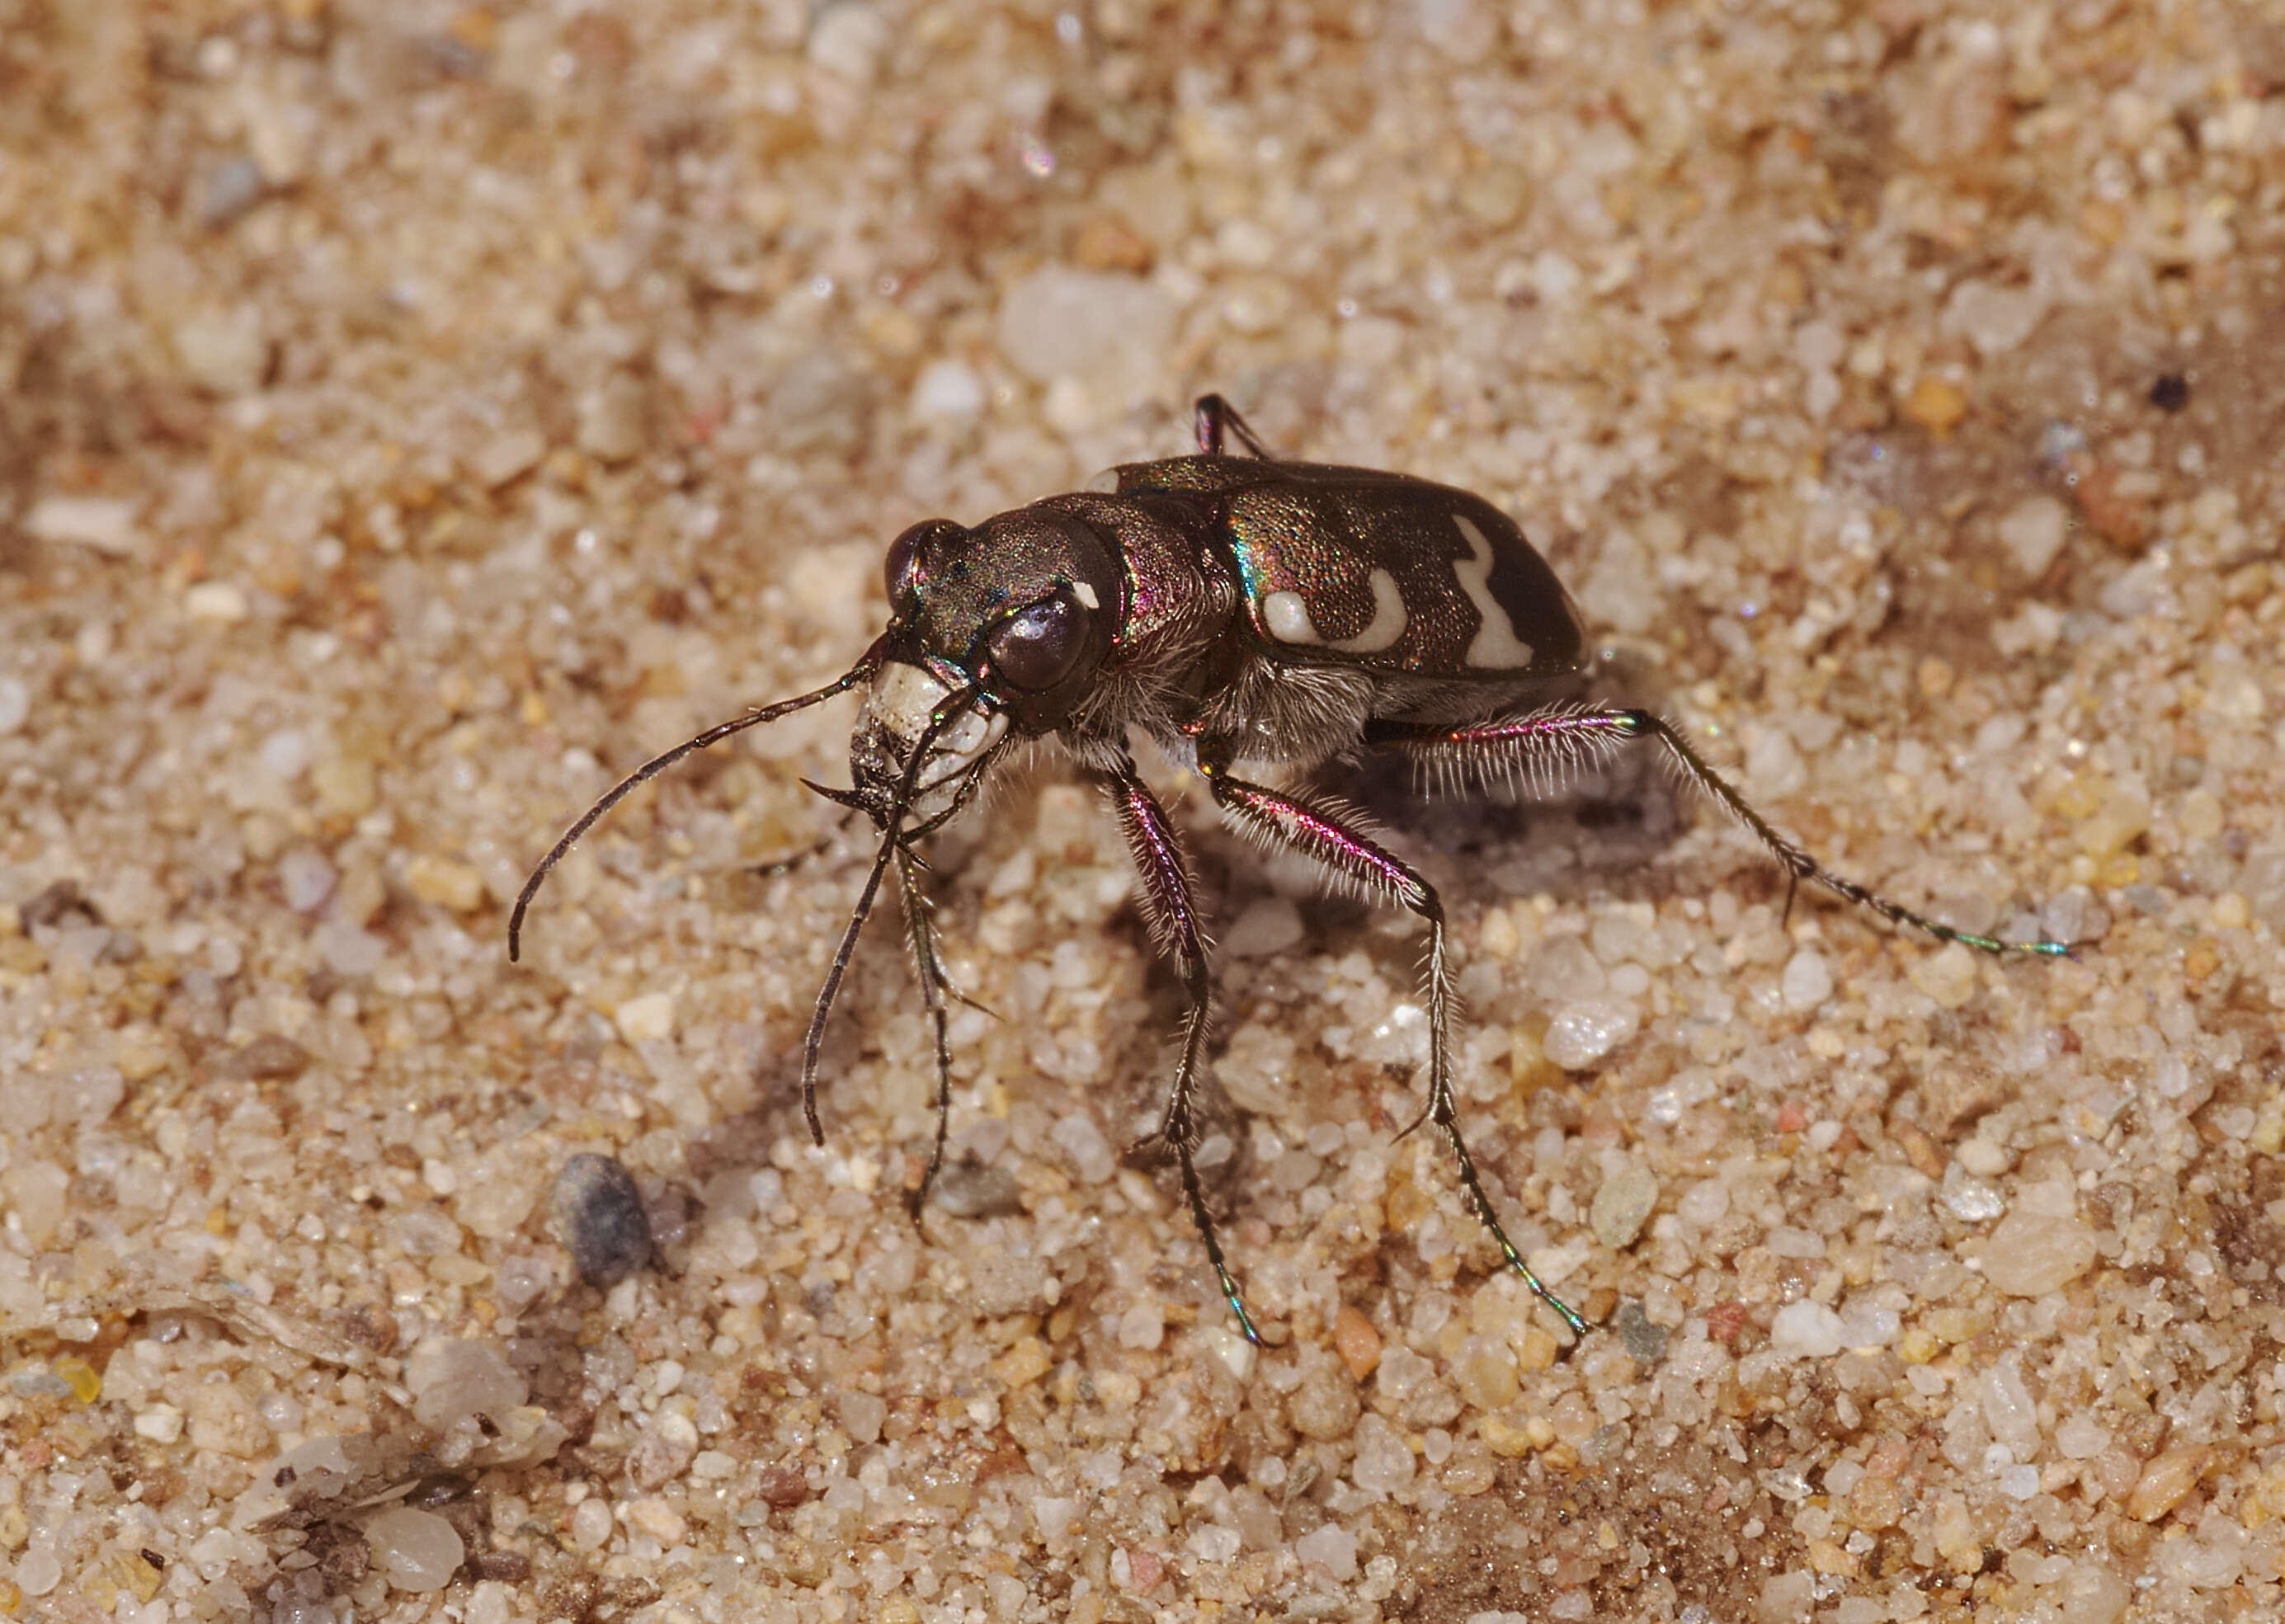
<point>1333,840</point>
<point>1534,749</point>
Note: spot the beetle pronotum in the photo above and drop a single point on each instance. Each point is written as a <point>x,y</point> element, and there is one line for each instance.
<point>1254,617</point>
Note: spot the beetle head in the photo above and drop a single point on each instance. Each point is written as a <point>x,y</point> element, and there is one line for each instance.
<point>1024,606</point>
<point>992,631</point>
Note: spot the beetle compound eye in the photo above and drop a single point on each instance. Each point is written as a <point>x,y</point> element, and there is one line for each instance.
<point>1037,648</point>
<point>900,570</point>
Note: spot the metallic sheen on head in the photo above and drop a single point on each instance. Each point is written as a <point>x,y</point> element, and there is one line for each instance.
<point>1026,605</point>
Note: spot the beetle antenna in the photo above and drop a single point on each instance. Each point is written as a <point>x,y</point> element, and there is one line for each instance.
<point>893,836</point>
<point>658,764</point>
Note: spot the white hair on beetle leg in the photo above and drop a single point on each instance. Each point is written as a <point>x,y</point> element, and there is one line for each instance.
<point>1537,765</point>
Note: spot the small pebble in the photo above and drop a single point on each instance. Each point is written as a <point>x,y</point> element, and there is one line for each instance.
<point>610,425</point>
<point>2167,1480</point>
<point>1142,1327</point>
<point>592,1524</point>
<point>106,523</point>
<point>1485,1374</point>
<point>2009,1409</point>
<point>414,1549</point>
<point>1355,1341</point>
<point>1947,976</point>
<point>2033,531</point>
<point>847,39</point>
<point>225,352</point>
<point>1581,1033</point>
<point>222,602</point>
<point>507,458</point>
<point>305,878</point>
<point>1266,929</point>
<point>1332,1548</point>
<point>1324,1406</point>
<point>1805,1330</point>
<point>1083,1145</point>
<point>346,785</point>
<point>445,882</point>
<point>646,1018</point>
<point>15,704</point>
<point>947,390</point>
<point>1936,406</point>
<point>862,1413</point>
<point>664,1451</point>
<point>2031,1254</point>
<point>454,1376</point>
<point>1807,982</point>
<point>659,1519</point>
<point>1107,332</point>
<point>602,1221</point>
<point>2081,1436</point>
<point>39,1571</point>
<point>271,1057</point>
<point>231,189</point>
<point>1384,1462</point>
<point>161,1424</point>
<point>1623,1205</point>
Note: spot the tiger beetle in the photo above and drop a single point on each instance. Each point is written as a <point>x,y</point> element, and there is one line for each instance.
<point>1261,619</point>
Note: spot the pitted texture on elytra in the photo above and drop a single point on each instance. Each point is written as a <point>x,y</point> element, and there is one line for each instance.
<point>1379,570</point>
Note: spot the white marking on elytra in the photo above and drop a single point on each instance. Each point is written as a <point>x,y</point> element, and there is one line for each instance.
<point>1285,616</point>
<point>1496,645</point>
<point>1084,594</point>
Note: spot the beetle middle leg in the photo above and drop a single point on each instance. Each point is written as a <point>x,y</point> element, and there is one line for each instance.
<point>1173,912</point>
<point>1539,747</point>
<point>1331,838</point>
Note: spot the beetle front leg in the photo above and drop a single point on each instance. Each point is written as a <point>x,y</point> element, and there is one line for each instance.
<point>1330,836</point>
<point>1169,905</point>
<point>920,930</point>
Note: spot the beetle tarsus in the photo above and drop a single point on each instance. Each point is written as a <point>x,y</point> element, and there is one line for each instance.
<point>1798,863</point>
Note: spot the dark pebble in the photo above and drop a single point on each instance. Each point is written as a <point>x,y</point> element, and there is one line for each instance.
<point>231,188</point>
<point>1646,1343</point>
<point>2170,393</point>
<point>971,1188</point>
<point>62,903</point>
<point>268,1058</point>
<point>601,1220</point>
<point>782,1486</point>
<point>507,1567</point>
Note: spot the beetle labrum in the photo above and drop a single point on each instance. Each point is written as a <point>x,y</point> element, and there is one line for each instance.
<point>1251,616</point>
